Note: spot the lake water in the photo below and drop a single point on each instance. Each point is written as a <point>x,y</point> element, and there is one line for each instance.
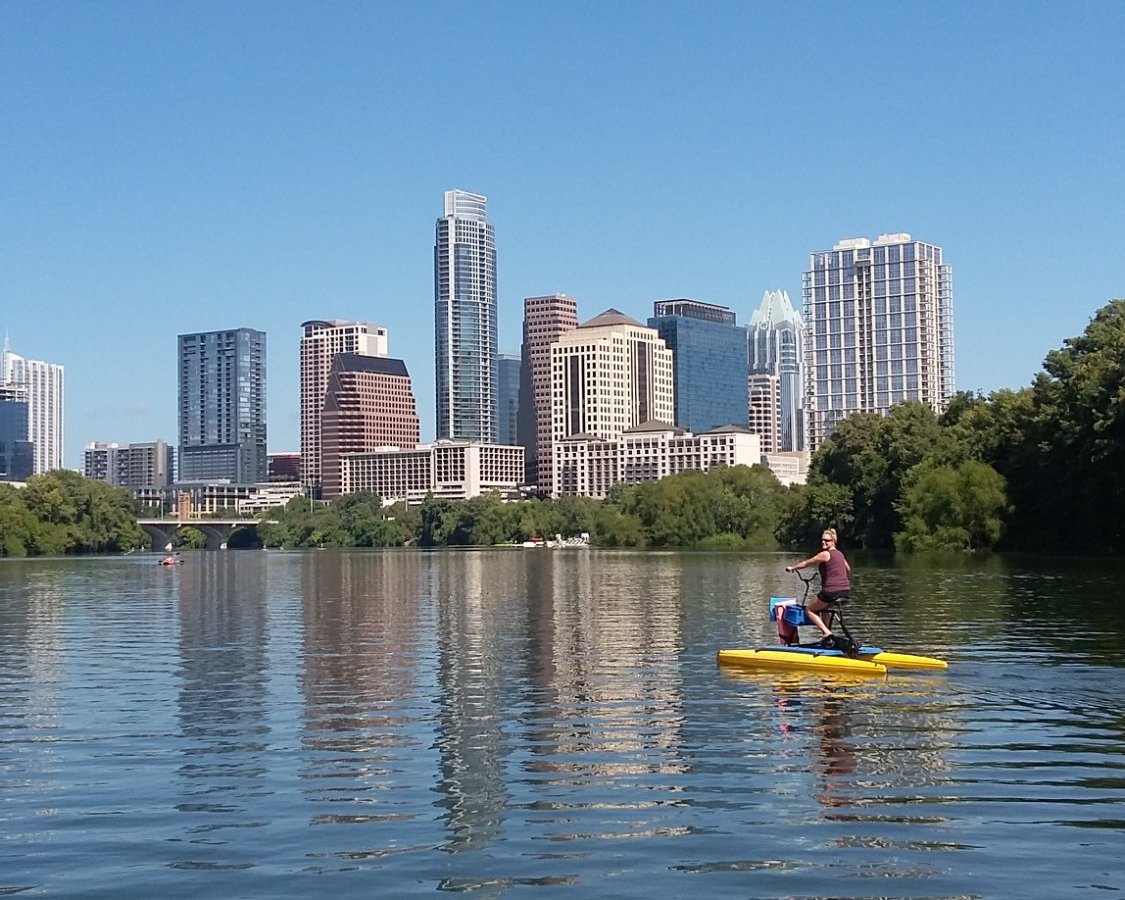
<point>552,723</point>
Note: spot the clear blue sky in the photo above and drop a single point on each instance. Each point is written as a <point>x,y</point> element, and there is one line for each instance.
<point>177,167</point>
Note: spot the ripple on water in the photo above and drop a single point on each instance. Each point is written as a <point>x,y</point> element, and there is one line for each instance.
<point>505,723</point>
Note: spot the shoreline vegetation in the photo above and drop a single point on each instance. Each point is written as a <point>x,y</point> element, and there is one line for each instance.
<point>1041,468</point>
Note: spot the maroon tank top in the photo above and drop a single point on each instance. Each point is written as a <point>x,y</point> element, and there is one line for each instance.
<point>834,573</point>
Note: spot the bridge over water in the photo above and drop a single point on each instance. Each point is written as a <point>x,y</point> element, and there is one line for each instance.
<point>217,531</point>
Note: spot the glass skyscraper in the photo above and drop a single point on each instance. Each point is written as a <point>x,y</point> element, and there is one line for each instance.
<point>465,320</point>
<point>222,378</point>
<point>709,353</point>
<point>879,319</point>
<point>507,397</point>
<point>776,335</point>
<point>16,451</point>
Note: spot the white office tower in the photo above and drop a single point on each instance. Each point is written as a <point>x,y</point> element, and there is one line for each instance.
<point>879,318</point>
<point>775,337</point>
<point>465,320</point>
<point>321,341</point>
<point>607,375</point>
<point>43,382</point>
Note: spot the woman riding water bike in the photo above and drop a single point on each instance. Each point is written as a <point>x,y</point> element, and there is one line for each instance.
<point>834,583</point>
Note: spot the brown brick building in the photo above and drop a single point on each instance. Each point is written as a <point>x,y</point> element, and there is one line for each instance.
<point>369,403</point>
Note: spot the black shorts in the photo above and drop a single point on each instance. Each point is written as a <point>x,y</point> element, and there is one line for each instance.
<point>831,597</point>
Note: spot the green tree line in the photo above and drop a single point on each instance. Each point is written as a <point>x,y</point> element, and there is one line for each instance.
<point>62,512</point>
<point>1041,468</point>
<point>738,507</point>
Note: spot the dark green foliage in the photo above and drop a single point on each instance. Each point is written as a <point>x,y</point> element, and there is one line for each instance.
<point>188,538</point>
<point>870,455</point>
<point>1079,425</point>
<point>62,512</point>
<point>356,520</point>
<point>958,507</point>
<point>742,504</point>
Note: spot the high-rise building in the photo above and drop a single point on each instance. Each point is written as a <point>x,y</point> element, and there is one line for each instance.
<point>764,392</point>
<point>321,340</point>
<point>607,375</point>
<point>465,320</point>
<point>507,397</point>
<point>368,404</point>
<point>709,362</point>
<point>134,466</point>
<point>43,382</point>
<point>222,377</point>
<point>545,320</point>
<point>879,318</point>
<point>776,335</point>
<point>16,451</point>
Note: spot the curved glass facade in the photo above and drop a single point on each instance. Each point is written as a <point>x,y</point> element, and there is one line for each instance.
<point>465,333</point>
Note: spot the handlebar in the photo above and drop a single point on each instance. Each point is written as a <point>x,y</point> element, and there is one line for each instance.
<point>797,572</point>
<point>808,581</point>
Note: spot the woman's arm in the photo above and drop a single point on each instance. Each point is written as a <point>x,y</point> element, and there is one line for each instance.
<point>822,556</point>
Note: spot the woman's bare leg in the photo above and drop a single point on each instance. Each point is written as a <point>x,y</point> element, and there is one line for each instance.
<point>813,612</point>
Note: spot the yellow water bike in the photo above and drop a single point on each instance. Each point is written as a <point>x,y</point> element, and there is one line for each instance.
<point>841,653</point>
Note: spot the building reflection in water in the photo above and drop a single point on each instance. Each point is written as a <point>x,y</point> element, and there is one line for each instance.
<point>608,686</point>
<point>364,721</point>
<point>222,704</point>
<point>32,678</point>
<point>478,625</point>
<point>548,679</point>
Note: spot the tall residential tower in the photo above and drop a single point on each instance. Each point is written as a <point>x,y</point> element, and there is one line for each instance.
<point>222,378</point>
<point>42,383</point>
<point>879,318</point>
<point>465,320</point>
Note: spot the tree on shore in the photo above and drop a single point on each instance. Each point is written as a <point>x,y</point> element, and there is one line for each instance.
<point>62,512</point>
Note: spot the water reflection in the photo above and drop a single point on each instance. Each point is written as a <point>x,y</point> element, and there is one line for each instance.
<point>363,660</point>
<point>473,628</point>
<point>222,705</point>
<point>493,721</point>
<point>31,687</point>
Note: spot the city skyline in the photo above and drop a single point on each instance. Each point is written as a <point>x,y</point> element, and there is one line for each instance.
<point>154,183</point>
